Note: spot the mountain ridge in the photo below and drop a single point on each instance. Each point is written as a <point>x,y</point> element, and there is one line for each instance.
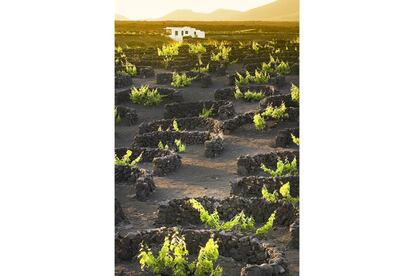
<point>280,10</point>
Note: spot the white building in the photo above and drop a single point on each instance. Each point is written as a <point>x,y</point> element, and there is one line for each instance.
<point>178,33</point>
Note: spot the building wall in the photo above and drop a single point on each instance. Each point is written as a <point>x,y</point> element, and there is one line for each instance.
<point>180,32</point>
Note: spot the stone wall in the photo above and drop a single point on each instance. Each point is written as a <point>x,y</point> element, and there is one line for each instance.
<point>284,139</point>
<point>128,174</point>
<point>145,72</point>
<point>128,115</point>
<point>276,100</point>
<point>191,109</point>
<point>227,126</point>
<point>294,234</point>
<point>250,165</point>
<point>214,147</point>
<point>251,186</point>
<point>142,179</point>
<point>164,78</point>
<point>184,124</point>
<point>164,161</point>
<point>119,213</point>
<point>241,248</point>
<point>179,211</point>
<point>227,93</point>
<point>151,139</point>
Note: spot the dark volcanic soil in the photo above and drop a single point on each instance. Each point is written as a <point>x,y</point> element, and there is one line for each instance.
<point>198,176</point>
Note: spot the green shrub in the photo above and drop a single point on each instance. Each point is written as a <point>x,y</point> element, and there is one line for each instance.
<point>173,260</point>
<point>269,67</point>
<point>131,69</point>
<point>255,47</point>
<point>122,64</point>
<point>242,80</point>
<point>197,49</point>
<point>146,96</point>
<point>269,197</point>
<point>248,96</point>
<point>283,168</point>
<point>180,146</point>
<point>212,220</point>
<point>239,222</point>
<point>277,113</point>
<point>238,95</point>
<point>201,69</point>
<point>285,192</point>
<point>162,146</point>
<point>294,93</point>
<point>126,161</point>
<point>283,68</point>
<point>262,231</point>
<point>222,54</point>
<point>175,126</point>
<point>181,80</point>
<point>207,257</point>
<point>260,77</point>
<point>253,96</point>
<point>206,112</point>
<point>168,52</point>
<point>259,122</point>
<point>294,139</point>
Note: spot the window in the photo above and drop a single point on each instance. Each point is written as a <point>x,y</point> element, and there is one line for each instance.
<point>176,33</point>
<point>182,33</point>
<point>186,32</point>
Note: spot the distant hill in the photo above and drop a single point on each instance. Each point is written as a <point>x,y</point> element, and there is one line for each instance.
<point>189,15</point>
<point>120,17</point>
<point>280,10</point>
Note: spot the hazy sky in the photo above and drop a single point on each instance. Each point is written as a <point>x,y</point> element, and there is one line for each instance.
<point>147,9</point>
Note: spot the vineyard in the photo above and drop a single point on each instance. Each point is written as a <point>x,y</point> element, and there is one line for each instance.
<point>207,150</point>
